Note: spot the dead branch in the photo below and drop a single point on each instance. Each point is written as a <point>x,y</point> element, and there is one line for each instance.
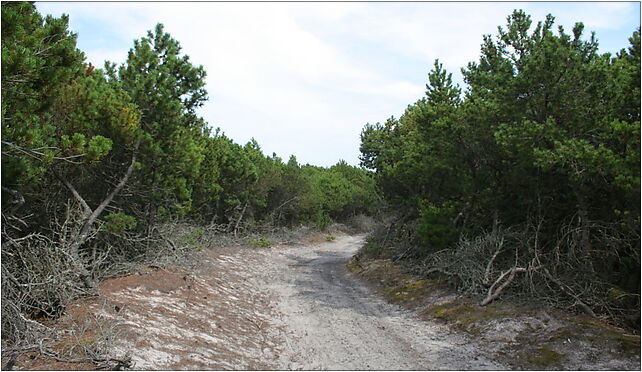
<point>168,240</point>
<point>115,364</point>
<point>18,199</point>
<point>86,209</point>
<point>35,153</point>
<point>500,245</point>
<point>568,291</point>
<point>285,203</point>
<point>91,216</point>
<point>403,254</point>
<point>494,293</point>
<point>10,363</point>
<point>383,243</point>
<point>239,220</point>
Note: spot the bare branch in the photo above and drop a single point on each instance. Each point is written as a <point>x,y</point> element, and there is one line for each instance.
<point>40,155</point>
<point>17,196</point>
<point>91,216</point>
<point>493,294</point>
<point>566,289</point>
<point>492,259</point>
<point>86,209</point>
<point>239,220</point>
<point>118,187</point>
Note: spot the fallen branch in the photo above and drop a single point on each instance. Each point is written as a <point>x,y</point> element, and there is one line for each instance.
<point>115,364</point>
<point>494,293</point>
<point>403,254</point>
<point>492,259</point>
<point>570,293</point>
<point>14,350</point>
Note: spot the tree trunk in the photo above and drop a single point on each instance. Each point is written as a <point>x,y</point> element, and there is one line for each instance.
<point>90,216</point>
<point>585,233</point>
<point>239,220</point>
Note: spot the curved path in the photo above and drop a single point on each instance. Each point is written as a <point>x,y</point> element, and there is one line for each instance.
<point>331,321</point>
<point>287,308</point>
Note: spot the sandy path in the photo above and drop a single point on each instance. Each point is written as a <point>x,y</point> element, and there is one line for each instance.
<point>286,307</point>
<point>295,308</point>
<point>331,321</point>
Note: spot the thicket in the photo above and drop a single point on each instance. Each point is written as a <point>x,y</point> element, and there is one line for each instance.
<point>98,163</point>
<point>528,182</point>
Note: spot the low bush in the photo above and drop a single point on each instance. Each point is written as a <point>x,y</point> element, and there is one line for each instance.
<point>259,243</point>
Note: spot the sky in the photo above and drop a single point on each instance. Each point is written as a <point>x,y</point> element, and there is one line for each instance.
<point>303,79</point>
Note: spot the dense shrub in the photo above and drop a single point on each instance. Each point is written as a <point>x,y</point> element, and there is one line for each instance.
<point>545,141</point>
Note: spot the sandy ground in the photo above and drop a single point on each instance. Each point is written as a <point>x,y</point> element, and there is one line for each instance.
<point>215,318</point>
<point>291,308</point>
<point>333,322</point>
<point>285,307</point>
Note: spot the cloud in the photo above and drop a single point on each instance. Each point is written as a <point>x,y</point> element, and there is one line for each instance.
<point>449,31</point>
<point>303,78</point>
<point>600,15</point>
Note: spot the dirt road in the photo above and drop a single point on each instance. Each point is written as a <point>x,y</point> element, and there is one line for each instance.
<point>297,307</point>
<point>285,307</point>
<point>332,321</point>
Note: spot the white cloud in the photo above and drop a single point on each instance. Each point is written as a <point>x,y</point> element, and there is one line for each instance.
<point>429,30</point>
<point>288,74</point>
<point>603,15</point>
<point>97,56</point>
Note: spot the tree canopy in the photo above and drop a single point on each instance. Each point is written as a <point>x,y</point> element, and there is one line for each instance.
<point>544,140</point>
<point>94,160</point>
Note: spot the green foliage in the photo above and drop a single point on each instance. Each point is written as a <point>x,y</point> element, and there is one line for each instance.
<point>435,227</point>
<point>194,237</point>
<point>168,90</point>
<point>259,243</point>
<point>39,56</point>
<point>117,223</point>
<point>440,89</point>
<point>70,132</point>
<point>547,134</point>
<point>98,147</point>
<point>322,220</point>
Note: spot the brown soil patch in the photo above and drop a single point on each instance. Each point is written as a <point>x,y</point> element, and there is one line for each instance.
<point>167,318</point>
<point>149,279</point>
<point>315,238</point>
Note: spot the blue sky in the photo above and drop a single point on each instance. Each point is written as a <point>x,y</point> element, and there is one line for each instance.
<point>304,78</point>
